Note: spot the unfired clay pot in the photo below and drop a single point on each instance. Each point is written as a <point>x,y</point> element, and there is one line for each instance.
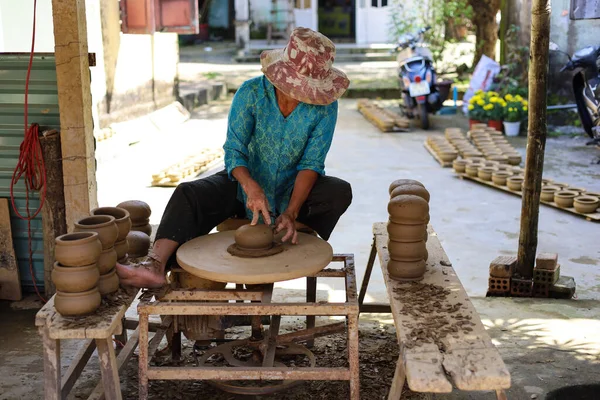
<point>586,204</point>
<point>254,237</point>
<point>77,249</point>
<point>405,233</point>
<point>121,219</point>
<point>121,248</point>
<point>75,279</point>
<point>83,303</point>
<point>579,190</point>
<point>138,210</point>
<point>514,159</point>
<point>140,222</point>
<point>485,173</point>
<point>502,159</point>
<point>406,271</point>
<point>472,169</point>
<point>407,251</point>
<point>565,198</point>
<point>147,229</point>
<point>475,160</point>
<point>108,283</point>
<point>514,183</point>
<point>409,209</point>
<point>104,225</point>
<point>138,243</point>
<point>107,260</point>
<point>417,190</point>
<point>400,182</point>
<point>548,192</point>
<point>499,177</point>
<point>472,154</point>
<point>459,166</point>
<point>593,194</point>
<point>447,156</point>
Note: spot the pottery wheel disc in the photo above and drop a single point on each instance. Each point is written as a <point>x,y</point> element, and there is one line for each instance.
<point>207,257</point>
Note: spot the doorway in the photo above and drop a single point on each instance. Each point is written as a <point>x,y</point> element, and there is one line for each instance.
<point>337,19</point>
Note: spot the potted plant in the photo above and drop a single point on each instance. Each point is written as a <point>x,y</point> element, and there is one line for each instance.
<point>515,109</point>
<point>494,109</point>
<point>476,111</point>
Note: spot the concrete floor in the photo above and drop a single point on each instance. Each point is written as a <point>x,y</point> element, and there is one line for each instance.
<point>546,344</point>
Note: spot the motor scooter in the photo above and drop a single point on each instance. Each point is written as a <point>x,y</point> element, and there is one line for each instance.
<point>420,94</point>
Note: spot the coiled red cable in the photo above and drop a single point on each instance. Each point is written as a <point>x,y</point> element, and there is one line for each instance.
<point>30,165</point>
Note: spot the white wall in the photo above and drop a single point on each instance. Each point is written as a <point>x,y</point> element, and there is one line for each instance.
<point>16,24</point>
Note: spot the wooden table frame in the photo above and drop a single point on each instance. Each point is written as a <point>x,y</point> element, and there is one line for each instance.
<point>174,303</point>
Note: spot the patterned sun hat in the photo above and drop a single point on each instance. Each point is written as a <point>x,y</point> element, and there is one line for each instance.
<point>303,69</point>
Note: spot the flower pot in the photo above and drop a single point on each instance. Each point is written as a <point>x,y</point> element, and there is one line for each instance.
<point>586,204</point>
<point>107,260</point>
<point>121,248</point>
<point>122,219</point>
<point>83,303</point>
<point>496,124</point>
<point>77,249</point>
<point>406,233</point>
<point>138,243</point>
<point>406,271</point>
<point>499,177</point>
<point>459,166</point>
<point>565,198</point>
<point>407,251</point>
<point>138,210</point>
<point>514,183</point>
<point>512,128</point>
<point>548,192</point>
<point>75,279</point>
<point>409,209</point>
<point>485,173</point>
<point>108,283</point>
<point>104,225</point>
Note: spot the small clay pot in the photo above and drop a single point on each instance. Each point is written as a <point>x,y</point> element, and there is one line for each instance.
<point>502,159</point>
<point>417,190</point>
<point>409,209</point>
<point>593,194</point>
<point>517,170</point>
<point>138,210</point>
<point>140,222</point>
<point>565,198</point>
<point>401,182</point>
<point>77,249</point>
<point>138,243</point>
<point>254,237</point>
<point>83,303</point>
<point>499,177</point>
<point>563,186</point>
<point>504,167</point>
<point>472,154</point>
<point>107,260</point>
<point>548,192</point>
<point>122,219</point>
<point>108,283</point>
<point>475,160</point>
<point>515,183</point>
<point>514,159</point>
<point>147,229</point>
<point>406,233</point>
<point>121,248</point>
<point>447,156</point>
<point>103,224</point>
<point>459,166</point>
<point>546,182</point>
<point>485,173</point>
<point>472,169</point>
<point>75,279</point>
<point>407,251</point>
<point>579,190</point>
<point>406,271</point>
<point>586,204</point>
<point>490,163</point>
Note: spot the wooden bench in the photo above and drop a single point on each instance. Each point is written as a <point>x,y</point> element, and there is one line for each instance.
<point>441,337</point>
<point>96,331</point>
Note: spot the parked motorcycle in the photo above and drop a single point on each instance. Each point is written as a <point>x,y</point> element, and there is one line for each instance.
<point>586,87</point>
<point>418,78</point>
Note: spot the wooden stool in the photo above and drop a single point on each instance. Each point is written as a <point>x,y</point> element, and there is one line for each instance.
<point>97,331</point>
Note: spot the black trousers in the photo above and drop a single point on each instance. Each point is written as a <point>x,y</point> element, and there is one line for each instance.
<point>196,207</point>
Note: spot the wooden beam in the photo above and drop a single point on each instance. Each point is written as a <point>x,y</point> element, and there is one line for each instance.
<point>250,373</point>
<point>75,107</point>
<point>536,139</point>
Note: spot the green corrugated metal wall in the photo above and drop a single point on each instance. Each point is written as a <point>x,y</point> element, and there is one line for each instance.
<point>43,109</point>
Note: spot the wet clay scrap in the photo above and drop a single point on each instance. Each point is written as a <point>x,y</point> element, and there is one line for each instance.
<point>254,241</point>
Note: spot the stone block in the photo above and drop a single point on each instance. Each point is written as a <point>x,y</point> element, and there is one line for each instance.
<point>503,266</point>
<point>498,285</point>
<point>520,287</point>
<point>546,276</point>
<point>546,261</point>
<point>564,288</point>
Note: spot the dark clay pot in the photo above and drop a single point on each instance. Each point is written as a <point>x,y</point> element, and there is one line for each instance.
<point>138,243</point>
<point>107,260</point>
<point>75,279</point>
<point>83,303</point>
<point>121,248</point>
<point>401,182</point>
<point>414,251</point>
<point>406,233</point>
<point>417,190</point>
<point>147,229</point>
<point>77,249</point>
<point>409,209</point>
<point>103,224</point>
<point>122,219</point>
<point>138,210</point>
<point>406,271</point>
<point>108,283</point>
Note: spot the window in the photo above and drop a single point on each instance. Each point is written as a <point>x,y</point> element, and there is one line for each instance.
<point>149,16</point>
<point>585,9</point>
<point>379,3</point>
<point>303,4</point>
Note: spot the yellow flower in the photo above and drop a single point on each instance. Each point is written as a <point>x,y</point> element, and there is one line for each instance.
<point>478,92</point>
<point>488,107</point>
<point>494,100</point>
<point>525,108</point>
<point>481,103</point>
<point>503,104</point>
<point>493,94</point>
<point>518,98</point>
<point>525,103</point>
<point>471,107</point>
<point>508,97</point>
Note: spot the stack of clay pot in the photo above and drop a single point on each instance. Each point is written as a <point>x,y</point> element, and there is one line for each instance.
<point>123,222</point>
<point>138,238</point>
<point>407,229</point>
<point>75,274</point>
<point>108,232</point>
<point>494,146</point>
<point>444,150</point>
<point>458,139</point>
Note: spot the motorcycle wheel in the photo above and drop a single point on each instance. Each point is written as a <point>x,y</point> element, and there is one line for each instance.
<point>423,116</point>
<point>584,114</point>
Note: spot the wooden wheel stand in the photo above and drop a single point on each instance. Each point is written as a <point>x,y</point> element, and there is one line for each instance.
<point>174,302</point>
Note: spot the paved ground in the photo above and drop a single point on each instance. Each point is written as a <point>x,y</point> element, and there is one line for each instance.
<point>546,344</point>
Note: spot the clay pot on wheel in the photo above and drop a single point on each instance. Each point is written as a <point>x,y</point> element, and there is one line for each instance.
<point>417,190</point>
<point>459,166</point>
<point>83,303</point>
<point>104,225</point>
<point>401,182</point>
<point>121,219</point>
<point>77,249</point>
<point>138,243</point>
<point>407,251</point>
<point>514,183</point>
<point>107,260</point>
<point>405,233</point>
<point>565,198</point>
<point>485,173</point>
<point>138,210</point>
<point>254,237</point>
<point>586,204</point>
<point>548,192</point>
<point>406,271</point>
<point>75,279</point>
<point>409,209</point>
<point>499,177</point>
<point>121,248</point>
<point>108,283</point>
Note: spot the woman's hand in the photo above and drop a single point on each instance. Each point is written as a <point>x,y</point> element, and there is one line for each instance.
<point>257,202</point>
<point>286,222</point>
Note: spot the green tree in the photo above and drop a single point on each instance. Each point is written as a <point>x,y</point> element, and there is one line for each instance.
<point>486,28</point>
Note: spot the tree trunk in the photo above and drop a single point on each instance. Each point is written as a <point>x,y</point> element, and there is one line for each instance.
<point>536,139</point>
<point>486,28</point>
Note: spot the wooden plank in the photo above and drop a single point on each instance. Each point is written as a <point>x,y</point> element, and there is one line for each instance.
<point>51,359</point>
<point>397,381</point>
<point>367,276</point>
<point>595,217</point>
<point>444,164</point>
<point>109,370</point>
<point>249,373</point>
<point>10,283</point>
<point>269,357</point>
<point>175,308</point>
<point>213,295</point>
<point>77,365</point>
<point>439,309</point>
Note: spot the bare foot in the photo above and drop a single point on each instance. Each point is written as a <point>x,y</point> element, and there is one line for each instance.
<point>146,274</point>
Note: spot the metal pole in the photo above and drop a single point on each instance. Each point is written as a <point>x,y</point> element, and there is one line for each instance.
<point>536,139</point>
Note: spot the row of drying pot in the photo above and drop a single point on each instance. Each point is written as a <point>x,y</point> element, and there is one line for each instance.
<point>188,167</point>
<point>444,150</point>
<point>495,147</point>
<point>464,147</point>
<point>377,117</point>
<point>494,171</point>
<point>565,196</point>
<point>408,211</point>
